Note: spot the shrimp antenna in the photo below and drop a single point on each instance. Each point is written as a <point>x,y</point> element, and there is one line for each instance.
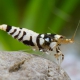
<point>75,31</point>
<point>51,30</point>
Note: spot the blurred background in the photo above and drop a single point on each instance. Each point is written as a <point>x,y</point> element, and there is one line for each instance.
<point>44,16</point>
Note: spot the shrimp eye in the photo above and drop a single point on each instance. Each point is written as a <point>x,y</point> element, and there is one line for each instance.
<point>61,37</point>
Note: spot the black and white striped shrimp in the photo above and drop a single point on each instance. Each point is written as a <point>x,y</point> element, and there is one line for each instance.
<point>42,42</point>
